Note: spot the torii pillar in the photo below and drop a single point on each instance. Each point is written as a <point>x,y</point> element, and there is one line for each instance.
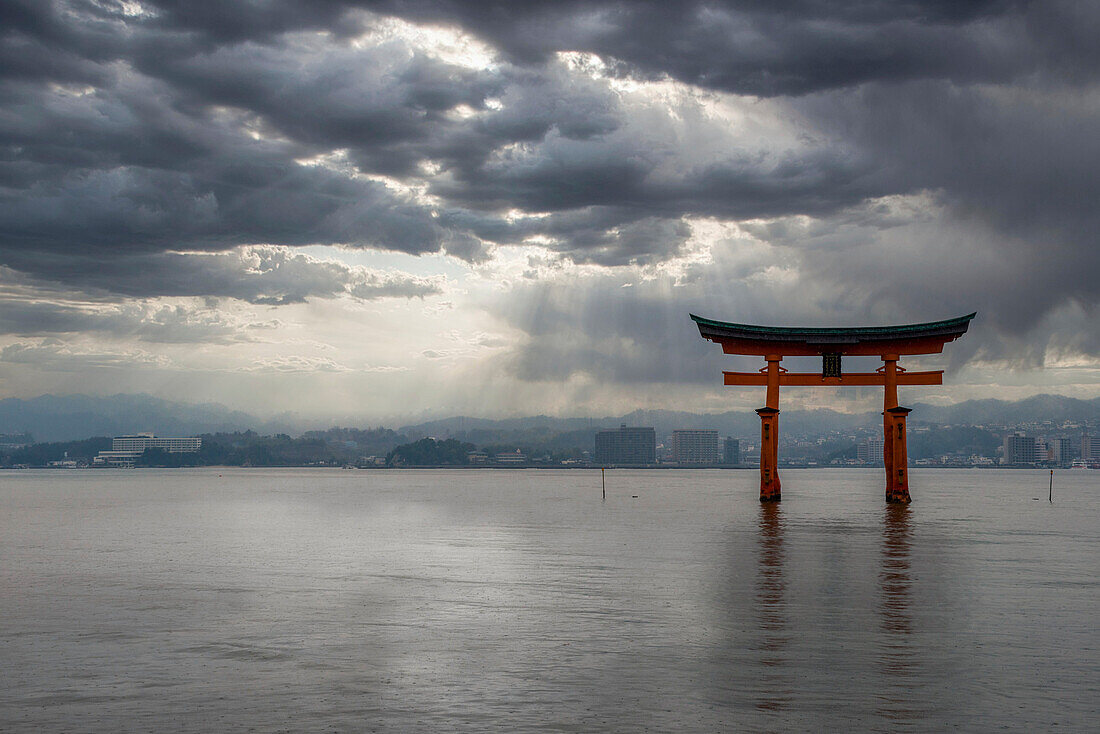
<point>769,434</point>
<point>894,453</point>
<point>886,342</point>
<point>896,457</point>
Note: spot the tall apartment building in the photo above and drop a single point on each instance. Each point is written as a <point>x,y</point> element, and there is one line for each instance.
<point>732,451</point>
<point>636,445</point>
<point>1090,448</point>
<point>695,446</point>
<point>869,450</point>
<point>1059,450</point>
<point>1020,448</point>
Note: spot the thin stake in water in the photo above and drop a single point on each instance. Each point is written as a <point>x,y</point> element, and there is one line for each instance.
<point>603,483</point>
<point>1050,497</point>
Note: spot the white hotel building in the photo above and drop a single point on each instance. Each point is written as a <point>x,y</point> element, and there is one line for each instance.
<point>126,449</point>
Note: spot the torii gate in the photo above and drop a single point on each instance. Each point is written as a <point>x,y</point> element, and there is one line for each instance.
<point>887,342</point>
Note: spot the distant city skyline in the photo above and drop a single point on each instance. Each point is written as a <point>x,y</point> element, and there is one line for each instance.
<point>390,210</point>
<point>59,418</point>
<point>1067,444</point>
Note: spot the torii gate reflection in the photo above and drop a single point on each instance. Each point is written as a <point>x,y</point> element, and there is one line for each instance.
<point>887,342</point>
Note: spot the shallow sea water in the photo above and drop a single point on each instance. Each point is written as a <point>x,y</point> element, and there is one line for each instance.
<point>434,601</point>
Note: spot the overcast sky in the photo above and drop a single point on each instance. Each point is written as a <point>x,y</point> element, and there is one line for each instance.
<point>403,209</point>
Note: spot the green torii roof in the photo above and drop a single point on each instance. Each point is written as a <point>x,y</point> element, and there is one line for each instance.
<point>949,329</point>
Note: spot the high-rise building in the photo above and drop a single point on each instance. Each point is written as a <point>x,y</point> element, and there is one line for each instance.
<point>869,450</point>
<point>1090,448</point>
<point>732,452</point>
<point>1020,448</point>
<point>695,446</point>
<point>626,446</point>
<point>1059,450</point>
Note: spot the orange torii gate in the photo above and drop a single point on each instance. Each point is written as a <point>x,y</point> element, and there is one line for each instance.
<point>887,342</point>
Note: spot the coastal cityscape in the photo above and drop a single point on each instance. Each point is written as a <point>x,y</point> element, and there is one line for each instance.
<point>1066,444</point>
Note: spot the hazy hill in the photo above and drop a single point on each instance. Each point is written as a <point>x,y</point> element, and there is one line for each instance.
<point>71,417</point>
<point>1056,408</point>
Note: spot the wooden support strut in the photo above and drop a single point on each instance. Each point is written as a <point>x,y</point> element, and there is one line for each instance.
<point>848,379</point>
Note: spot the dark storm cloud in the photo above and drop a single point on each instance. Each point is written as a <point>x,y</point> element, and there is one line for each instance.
<point>128,171</point>
<point>1014,179</point>
<point>748,46</point>
<point>195,141</point>
<point>387,104</point>
<point>759,48</point>
<point>116,163</point>
<point>126,136</point>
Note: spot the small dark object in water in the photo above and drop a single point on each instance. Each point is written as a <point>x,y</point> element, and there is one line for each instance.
<point>634,496</point>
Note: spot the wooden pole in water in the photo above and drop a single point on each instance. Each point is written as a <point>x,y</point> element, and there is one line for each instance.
<point>603,483</point>
<point>1050,497</point>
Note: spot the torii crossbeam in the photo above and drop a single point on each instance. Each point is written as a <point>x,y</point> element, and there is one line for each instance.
<point>887,342</point>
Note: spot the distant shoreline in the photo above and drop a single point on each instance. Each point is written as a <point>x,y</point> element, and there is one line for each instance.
<point>537,467</point>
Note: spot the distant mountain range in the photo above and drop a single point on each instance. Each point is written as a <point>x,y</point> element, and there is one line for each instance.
<point>1056,408</point>
<point>70,417</point>
<point>1035,409</point>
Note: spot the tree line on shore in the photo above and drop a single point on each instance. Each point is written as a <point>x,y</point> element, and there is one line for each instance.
<point>334,447</point>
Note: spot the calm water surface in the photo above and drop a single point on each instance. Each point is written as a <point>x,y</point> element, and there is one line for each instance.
<point>426,601</point>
